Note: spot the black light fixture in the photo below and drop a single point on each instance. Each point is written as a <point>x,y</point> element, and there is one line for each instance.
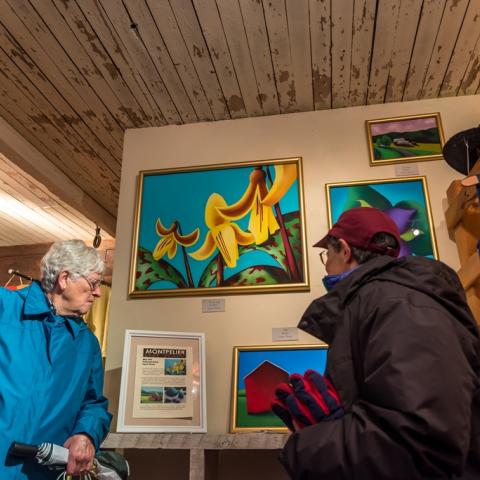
<point>97,239</point>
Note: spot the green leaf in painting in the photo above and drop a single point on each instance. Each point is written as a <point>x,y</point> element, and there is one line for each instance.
<point>274,245</point>
<point>209,275</point>
<point>421,245</point>
<point>363,196</point>
<point>150,271</point>
<point>258,275</point>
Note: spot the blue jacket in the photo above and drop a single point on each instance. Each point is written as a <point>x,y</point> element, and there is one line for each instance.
<point>51,379</point>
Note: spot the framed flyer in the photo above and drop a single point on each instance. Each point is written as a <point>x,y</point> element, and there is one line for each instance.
<point>163,382</point>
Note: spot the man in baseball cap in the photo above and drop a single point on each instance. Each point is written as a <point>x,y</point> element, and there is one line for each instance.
<point>360,234</point>
<point>400,395</point>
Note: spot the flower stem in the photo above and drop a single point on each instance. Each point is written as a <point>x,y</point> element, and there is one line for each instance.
<point>290,259</point>
<point>219,270</point>
<point>185,261</point>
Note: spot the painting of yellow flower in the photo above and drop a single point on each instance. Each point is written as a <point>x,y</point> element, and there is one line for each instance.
<point>231,228</point>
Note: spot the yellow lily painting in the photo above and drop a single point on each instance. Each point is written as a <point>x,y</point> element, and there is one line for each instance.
<point>228,228</point>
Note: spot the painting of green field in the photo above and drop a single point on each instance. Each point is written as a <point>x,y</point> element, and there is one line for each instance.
<point>257,420</point>
<point>405,139</point>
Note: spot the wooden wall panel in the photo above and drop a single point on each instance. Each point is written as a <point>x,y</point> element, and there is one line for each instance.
<point>277,27</point>
<point>387,19</point>
<point>235,35</point>
<point>299,35</point>
<point>211,25</point>
<point>257,38</point>
<point>342,22</point>
<point>444,44</point>
<point>405,34</point>
<point>129,31</point>
<point>171,35</point>
<point>362,41</point>
<point>321,40</point>
<point>463,52</point>
<point>430,19</point>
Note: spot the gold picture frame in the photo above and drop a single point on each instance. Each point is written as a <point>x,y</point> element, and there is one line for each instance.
<point>405,200</point>
<point>220,229</point>
<point>411,138</point>
<point>267,365</point>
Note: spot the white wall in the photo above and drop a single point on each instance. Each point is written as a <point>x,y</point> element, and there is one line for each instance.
<point>334,149</point>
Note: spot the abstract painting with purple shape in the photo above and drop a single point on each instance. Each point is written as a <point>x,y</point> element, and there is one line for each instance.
<point>405,201</point>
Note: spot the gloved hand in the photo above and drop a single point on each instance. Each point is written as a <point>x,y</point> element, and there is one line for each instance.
<point>306,400</point>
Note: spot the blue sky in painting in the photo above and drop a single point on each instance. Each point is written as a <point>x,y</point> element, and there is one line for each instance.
<point>182,196</point>
<point>293,361</point>
<point>394,192</point>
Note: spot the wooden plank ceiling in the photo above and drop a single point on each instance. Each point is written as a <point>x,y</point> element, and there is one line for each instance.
<point>31,214</point>
<point>74,74</point>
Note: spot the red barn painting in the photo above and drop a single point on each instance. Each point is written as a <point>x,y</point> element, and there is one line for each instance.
<point>260,386</point>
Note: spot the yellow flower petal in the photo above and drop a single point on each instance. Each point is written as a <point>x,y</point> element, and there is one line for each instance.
<point>242,207</point>
<point>262,221</point>
<point>285,175</point>
<point>226,241</point>
<point>163,245</point>
<point>213,217</point>
<point>206,249</point>
<point>242,237</point>
<point>273,225</point>
<point>172,250</point>
<point>162,231</point>
<point>187,240</point>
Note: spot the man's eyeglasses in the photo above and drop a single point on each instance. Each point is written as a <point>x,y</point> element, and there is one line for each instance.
<point>324,256</point>
<point>93,284</point>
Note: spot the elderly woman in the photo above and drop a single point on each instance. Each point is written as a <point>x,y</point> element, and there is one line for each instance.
<point>51,375</point>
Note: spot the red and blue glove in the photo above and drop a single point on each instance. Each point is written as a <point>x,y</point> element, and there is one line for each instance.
<point>306,400</point>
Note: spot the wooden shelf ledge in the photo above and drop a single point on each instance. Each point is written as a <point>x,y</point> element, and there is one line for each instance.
<point>197,441</point>
<point>197,444</point>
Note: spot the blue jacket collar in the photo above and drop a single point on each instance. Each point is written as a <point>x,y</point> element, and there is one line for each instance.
<point>37,305</point>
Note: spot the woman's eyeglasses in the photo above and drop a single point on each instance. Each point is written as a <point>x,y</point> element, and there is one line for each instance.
<point>93,284</point>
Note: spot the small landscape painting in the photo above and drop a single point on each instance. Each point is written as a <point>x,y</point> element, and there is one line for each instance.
<point>413,138</point>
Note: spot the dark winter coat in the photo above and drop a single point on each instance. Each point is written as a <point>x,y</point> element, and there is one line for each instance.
<point>404,356</point>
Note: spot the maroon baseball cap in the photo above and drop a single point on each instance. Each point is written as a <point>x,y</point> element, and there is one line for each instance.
<point>358,226</point>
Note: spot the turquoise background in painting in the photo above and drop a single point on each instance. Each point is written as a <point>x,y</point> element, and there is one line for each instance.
<point>394,192</point>
<point>293,361</point>
<point>182,196</point>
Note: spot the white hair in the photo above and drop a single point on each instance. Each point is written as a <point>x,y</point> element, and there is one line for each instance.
<point>70,255</point>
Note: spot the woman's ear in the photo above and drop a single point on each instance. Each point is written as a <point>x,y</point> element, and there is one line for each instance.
<point>62,280</point>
